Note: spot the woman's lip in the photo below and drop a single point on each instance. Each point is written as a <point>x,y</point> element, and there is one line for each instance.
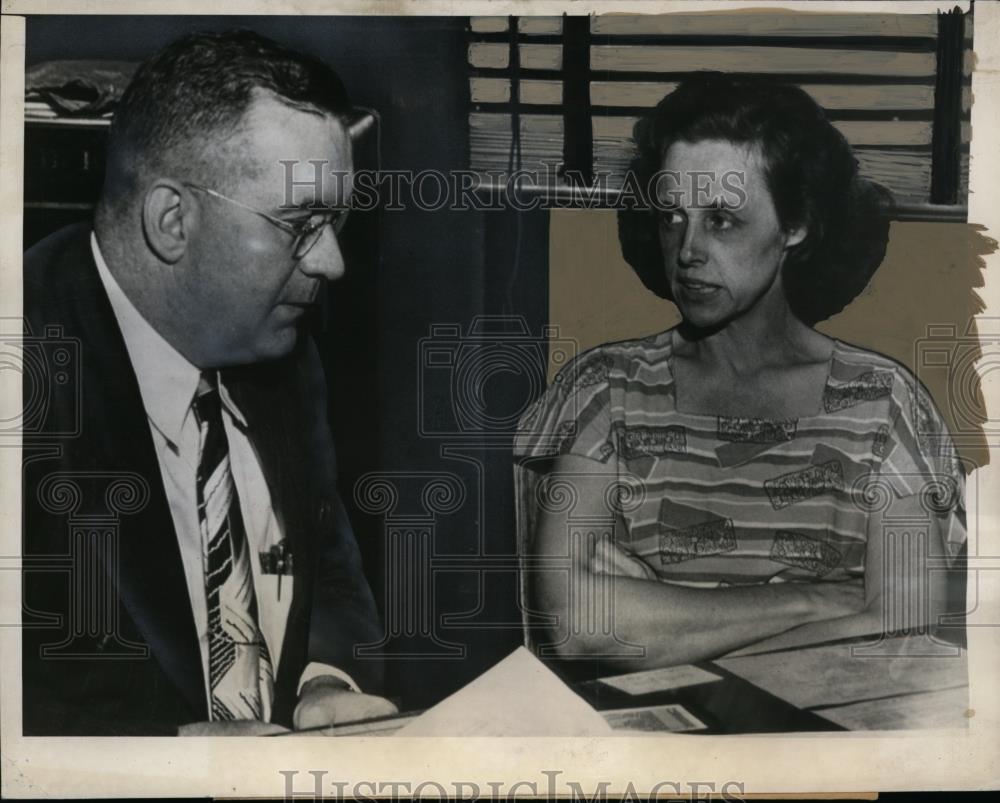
<point>695,286</point>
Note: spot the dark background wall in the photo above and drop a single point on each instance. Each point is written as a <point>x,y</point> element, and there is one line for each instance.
<point>408,271</point>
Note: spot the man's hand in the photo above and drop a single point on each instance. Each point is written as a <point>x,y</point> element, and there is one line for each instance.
<point>241,727</point>
<point>327,700</point>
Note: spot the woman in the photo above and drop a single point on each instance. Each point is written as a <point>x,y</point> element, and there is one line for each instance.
<point>755,458</point>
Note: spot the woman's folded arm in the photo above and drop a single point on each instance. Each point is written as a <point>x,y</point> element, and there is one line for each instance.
<point>613,616</point>
<point>906,581</point>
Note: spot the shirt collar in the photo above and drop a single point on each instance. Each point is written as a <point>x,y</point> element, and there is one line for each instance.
<point>167,381</point>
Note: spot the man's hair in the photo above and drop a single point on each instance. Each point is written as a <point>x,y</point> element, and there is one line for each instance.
<point>196,91</point>
<point>811,174</point>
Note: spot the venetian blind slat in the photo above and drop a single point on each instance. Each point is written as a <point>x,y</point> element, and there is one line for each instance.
<point>529,26</point>
<point>880,97</point>
<point>858,133</point>
<point>541,141</point>
<point>532,92</point>
<point>766,24</point>
<point>768,60</point>
<point>496,56</point>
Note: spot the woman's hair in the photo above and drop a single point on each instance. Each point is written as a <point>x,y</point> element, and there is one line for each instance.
<point>811,173</point>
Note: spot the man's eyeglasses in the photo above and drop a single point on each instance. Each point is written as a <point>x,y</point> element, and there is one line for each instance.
<point>306,233</point>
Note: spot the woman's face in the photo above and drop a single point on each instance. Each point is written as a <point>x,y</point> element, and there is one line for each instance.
<point>721,240</point>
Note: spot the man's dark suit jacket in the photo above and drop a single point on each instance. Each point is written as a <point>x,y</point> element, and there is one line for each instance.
<point>134,666</point>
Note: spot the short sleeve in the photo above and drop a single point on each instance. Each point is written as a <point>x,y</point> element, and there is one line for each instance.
<point>920,459</point>
<point>573,416</point>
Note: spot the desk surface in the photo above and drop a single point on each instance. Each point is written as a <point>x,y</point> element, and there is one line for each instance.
<point>726,706</point>
<point>856,684</point>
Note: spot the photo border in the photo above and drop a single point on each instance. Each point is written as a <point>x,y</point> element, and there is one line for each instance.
<point>805,762</point>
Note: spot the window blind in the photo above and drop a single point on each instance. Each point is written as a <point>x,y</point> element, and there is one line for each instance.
<point>566,91</point>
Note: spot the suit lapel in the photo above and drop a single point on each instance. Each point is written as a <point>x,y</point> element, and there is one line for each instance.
<point>151,581</point>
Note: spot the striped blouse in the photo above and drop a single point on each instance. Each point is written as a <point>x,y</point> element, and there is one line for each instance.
<point>715,500</point>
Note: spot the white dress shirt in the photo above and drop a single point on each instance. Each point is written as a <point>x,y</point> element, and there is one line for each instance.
<point>167,383</point>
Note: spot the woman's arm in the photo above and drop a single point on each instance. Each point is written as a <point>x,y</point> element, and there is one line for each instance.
<point>599,614</point>
<point>903,594</point>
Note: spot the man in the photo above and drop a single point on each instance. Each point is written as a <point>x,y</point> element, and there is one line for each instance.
<point>231,594</point>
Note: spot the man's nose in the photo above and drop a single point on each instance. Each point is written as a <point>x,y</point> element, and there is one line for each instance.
<point>324,260</point>
<point>692,251</point>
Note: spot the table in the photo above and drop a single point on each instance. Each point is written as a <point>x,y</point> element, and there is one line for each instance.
<point>731,705</point>
<point>862,683</point>
<point>854,684</point>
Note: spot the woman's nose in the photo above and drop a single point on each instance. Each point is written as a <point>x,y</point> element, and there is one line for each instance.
<point>692,251</point>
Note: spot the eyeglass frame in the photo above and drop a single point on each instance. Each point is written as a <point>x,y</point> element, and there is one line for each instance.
<point>299,232</point>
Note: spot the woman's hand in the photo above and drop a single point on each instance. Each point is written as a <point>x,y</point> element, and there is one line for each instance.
<point>834,610</point>
<point>609,559</point>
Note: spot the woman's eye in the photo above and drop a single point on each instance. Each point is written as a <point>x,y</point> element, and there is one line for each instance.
<point>720,222</point>
<point>671,219</point>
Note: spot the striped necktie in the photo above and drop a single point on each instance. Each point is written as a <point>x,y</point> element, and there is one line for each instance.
<point>240,673</point>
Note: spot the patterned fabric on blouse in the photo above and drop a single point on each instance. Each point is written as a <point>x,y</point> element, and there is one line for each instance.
<point>717,500</point>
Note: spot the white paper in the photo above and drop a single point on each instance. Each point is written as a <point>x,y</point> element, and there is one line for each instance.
<point>653,680</point>
<point>654,719</point>
<point>519,696</point>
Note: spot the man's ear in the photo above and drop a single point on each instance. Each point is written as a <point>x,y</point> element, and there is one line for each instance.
<point>167,220</point>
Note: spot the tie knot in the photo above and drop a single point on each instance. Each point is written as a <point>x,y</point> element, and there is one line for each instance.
<point>206,400</point>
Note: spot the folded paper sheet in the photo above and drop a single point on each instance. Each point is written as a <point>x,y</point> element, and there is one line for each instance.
<point>519,696</point>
